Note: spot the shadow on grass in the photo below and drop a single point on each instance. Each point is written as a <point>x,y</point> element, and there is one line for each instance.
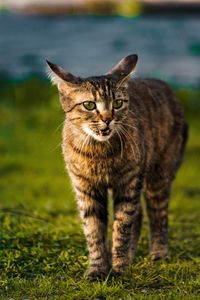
<point>191,191</point>
<point>11,168</point>
<point>41,254</point>
<point>46,253</point>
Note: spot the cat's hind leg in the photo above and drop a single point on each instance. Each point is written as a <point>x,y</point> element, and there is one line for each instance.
<point>157,189</point>
<point>157,209</point>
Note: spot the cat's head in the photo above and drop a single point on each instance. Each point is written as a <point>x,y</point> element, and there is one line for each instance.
<point>95,105</point>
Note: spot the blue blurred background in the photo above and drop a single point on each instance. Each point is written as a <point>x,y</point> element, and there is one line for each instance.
<point>87,44</point>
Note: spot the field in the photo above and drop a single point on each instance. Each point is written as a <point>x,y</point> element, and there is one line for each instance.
<point>43,252</point>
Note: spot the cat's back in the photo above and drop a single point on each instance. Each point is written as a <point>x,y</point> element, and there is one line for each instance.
<point>150,93</point>
<point>158,113</point>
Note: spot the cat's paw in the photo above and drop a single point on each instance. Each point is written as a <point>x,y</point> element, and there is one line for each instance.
<point>93,274</point>
<point>118,271</point>
<point>159,253</point>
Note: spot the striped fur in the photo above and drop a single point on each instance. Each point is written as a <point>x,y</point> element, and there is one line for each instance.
<point>136,148</point>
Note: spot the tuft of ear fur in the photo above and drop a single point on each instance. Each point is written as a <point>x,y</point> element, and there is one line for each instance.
<point>123,70</point>
<point>57,75</point>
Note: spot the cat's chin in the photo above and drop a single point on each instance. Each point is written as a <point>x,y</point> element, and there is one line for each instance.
<point>98,137</point>
<point>101,138</point>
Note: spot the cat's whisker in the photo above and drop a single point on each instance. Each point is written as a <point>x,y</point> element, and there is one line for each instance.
<point>128,137</point>
<point>131,126</point>
<point>132,139</point>
<point>58,127</point>
<point>110,145</point>
<point>121,142</point>
<point>125,135</point>
<point>56,147</point>
<point>132,113</point>
<point>81,144</point>
<point>128,125</point>
<point>84,144</point>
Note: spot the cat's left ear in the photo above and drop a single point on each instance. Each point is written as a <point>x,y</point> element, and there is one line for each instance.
<point>123,70</point>
<point>60,77</point>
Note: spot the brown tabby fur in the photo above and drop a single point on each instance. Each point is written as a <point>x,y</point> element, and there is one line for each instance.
<point>142,154</point>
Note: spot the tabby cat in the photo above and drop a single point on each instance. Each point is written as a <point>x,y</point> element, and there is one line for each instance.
<point>124,136</point>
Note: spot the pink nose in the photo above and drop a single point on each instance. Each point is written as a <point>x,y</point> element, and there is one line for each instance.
<point>106,117</point>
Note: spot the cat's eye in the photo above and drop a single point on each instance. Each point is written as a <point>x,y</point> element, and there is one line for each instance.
<point>89,105</point>
<point>117,104</point>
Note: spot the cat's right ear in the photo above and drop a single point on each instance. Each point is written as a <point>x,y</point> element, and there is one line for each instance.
<point>60,77</point>
<point>123,70</point>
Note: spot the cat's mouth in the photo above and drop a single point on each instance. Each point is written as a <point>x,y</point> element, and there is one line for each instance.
<point>102,134</point>
<point>105,132</point>
<point>99,134</point>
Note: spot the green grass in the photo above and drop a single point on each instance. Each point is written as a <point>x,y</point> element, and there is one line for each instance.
<point>43,253</point>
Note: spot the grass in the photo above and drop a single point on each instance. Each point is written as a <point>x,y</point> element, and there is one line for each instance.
<point>43,252</point>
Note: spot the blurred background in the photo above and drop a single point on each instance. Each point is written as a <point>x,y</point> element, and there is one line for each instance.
<point>40,231</point>
<point>86,37</point>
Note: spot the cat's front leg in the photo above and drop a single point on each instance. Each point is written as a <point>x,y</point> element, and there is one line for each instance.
<point>126,211</point>
<point>92,202</point>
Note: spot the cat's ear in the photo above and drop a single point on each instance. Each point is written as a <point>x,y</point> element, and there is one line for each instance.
<point>122,71</point>
<point>60,77</point>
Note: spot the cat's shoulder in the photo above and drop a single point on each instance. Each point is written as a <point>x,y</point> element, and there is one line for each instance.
<point>150,89</point>
<point>140,83</point>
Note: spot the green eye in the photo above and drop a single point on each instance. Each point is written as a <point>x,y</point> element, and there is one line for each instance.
<point>117,104</point>
<point>89,105</point>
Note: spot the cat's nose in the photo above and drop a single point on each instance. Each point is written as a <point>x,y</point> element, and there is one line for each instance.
<point>106,118</point>
<point>107,121</point>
